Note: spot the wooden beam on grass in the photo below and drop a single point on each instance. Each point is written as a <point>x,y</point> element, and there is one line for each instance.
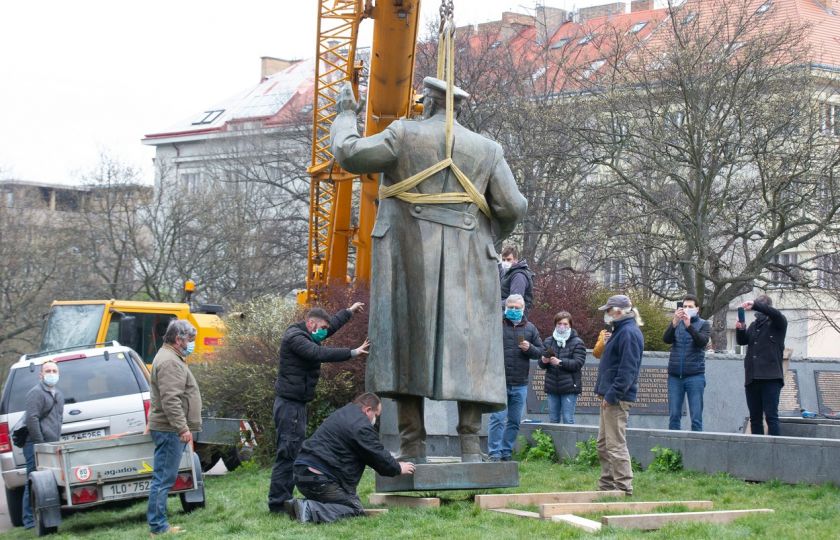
<point>501,500</point>
<point>404,500</point>
<point>650,522</point>
<point>517,513</point>
<point>554,509</point>
<point>375,511</point>
<point>576,521</point>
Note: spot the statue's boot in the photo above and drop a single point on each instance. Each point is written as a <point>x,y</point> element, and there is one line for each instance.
<point>469,422</point>
<point>412,429</point>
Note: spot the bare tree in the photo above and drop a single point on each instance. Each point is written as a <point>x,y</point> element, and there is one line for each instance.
<point>710,128</point>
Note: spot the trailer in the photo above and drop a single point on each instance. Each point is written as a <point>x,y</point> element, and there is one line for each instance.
<point>85,473</point>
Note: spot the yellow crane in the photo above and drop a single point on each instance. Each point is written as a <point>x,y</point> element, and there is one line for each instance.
<point>389,97</point>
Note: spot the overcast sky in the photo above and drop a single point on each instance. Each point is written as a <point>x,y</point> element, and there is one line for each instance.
<point>90,76</point>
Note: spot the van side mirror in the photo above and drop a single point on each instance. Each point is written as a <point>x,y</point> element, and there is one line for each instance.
<point>128,331</point>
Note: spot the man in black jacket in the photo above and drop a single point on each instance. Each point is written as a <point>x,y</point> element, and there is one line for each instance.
<point>763,368</point>
<point>688,336</point>
<point>301,356</point>
<point>332,460</point>
<point>521,342</point>
<point>515,277</point>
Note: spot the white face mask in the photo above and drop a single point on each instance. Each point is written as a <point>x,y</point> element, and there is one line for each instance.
<point>608,318</point>
<point>691,312</point>
<point>506,265</point>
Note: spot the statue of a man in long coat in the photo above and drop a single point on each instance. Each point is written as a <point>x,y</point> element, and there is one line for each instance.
<point>435,319</point>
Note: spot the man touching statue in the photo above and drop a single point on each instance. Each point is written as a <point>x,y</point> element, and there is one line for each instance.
<point>435,325</point>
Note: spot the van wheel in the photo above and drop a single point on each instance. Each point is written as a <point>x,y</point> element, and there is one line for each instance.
<point>14,501</point>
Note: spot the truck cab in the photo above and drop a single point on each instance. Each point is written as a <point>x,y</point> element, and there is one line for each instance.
<point>136,324</point>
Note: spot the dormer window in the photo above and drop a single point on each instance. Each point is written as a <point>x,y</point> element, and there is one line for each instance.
<point>764,8</point>
<point>636,28</point>
<point>560,43</point>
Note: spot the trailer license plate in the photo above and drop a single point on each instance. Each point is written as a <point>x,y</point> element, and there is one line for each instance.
<point>125,489</point>
<point>83,435</point>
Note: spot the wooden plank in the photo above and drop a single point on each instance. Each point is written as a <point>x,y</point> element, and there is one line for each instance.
<point>518,513</point>
<point>548,510</point>
<point>501,500</point>
<point>375,511</point>
<point>404,500</point>
<point>655,521</point>
<point>576,521</point>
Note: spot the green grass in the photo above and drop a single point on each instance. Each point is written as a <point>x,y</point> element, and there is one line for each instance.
<point>236,508</point>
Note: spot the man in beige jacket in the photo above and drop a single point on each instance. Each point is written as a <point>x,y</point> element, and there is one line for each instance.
<point>174,414</point>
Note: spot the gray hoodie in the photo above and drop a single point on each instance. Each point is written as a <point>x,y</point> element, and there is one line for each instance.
<point>42,418</point>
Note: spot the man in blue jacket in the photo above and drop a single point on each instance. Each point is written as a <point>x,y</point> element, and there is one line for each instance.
<point>688,336</point>
<point>617,383</point>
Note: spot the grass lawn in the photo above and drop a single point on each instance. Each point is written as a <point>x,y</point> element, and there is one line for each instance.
<point>236,508</point>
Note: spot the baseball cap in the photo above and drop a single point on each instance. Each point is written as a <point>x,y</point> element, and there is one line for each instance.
<point>618,300</point>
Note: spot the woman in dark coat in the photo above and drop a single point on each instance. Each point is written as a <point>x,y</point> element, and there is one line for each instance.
<point>564,357</point>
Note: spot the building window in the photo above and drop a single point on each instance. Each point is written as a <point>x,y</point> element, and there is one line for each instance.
<point>190,181</point>
<point>538,73</point>
<point>829,271</point>
<point>636,28</point>
<point>783,270</point>
<point>585,39</point>
<point>495,44</point>
<point>689,18</point>
<point>9,197</point>
<point>209,117</point>
<point>593,67</point>
<point>614,274</point>
<point>830,119</point>
<point>764,8</point>
<point>560,43</point>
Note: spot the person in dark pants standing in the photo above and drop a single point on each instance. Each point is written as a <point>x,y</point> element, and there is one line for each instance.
<point>332,460</point>
<point>763,369</point>
<point>301,356</point>
<point>688,336</point>
<point>44,416</point>
<point>563,361</point>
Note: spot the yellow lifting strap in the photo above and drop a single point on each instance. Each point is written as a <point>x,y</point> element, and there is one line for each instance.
<point>445,66</point>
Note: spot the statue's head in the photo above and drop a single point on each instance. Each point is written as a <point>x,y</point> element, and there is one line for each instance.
<point>434,96</point>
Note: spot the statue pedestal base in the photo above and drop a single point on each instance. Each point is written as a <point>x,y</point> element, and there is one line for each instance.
<point>445,476</point>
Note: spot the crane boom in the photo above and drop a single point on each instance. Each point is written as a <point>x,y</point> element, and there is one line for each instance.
<point>389,97</point>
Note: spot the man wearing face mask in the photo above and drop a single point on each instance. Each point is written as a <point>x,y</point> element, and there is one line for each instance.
<point>44,413</point>
<point>331,462</point>
<point>521,342</point>
<point>174,414</point>
<point>301,356</point>
<point>616,385</point>
<point>688,336</point>
<point>515,277</point>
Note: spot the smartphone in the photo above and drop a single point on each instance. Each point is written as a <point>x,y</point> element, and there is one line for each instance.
<point>679,304</point>
<point>608,327</point>
<point>742,316</point>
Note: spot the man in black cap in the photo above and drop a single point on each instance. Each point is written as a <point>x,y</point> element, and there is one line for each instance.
<point>332,460</point>
<point>617,384</point>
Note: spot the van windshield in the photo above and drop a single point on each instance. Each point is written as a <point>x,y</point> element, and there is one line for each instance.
<point>71,326</point>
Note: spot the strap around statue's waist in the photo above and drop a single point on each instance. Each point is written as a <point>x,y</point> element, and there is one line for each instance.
<point>469,195</point>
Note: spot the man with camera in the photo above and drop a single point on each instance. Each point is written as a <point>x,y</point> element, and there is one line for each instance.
<point>688,336</point>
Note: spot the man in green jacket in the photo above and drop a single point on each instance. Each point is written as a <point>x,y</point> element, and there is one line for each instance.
<point>174,414</point>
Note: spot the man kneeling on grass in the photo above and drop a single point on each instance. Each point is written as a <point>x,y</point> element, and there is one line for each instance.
<point>331,462</point>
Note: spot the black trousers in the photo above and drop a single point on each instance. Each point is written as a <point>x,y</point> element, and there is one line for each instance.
<point>763,402</point>
<point>290,423</point>
<point>326,499</point>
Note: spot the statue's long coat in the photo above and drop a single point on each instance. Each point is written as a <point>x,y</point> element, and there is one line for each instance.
<point>435,316</point>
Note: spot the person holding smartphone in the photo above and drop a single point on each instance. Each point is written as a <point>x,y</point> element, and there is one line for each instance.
<point>764,374</point>
<point>688,336</point>
<point>562,361</point>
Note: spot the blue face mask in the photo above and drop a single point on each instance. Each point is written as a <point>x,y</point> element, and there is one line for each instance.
<point>51,379</point>
<point>319,335</point>
<point>190,348</point>
<point>513,315</point>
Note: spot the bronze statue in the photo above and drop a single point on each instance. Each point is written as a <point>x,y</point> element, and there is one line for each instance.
<point>435,324</point>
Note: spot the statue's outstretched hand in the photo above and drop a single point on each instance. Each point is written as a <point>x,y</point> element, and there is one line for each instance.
<point>346,101</point>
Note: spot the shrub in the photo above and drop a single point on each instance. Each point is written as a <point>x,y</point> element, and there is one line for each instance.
<point>587,453</point>
<point>666,460</point>
<point>542,448</point>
